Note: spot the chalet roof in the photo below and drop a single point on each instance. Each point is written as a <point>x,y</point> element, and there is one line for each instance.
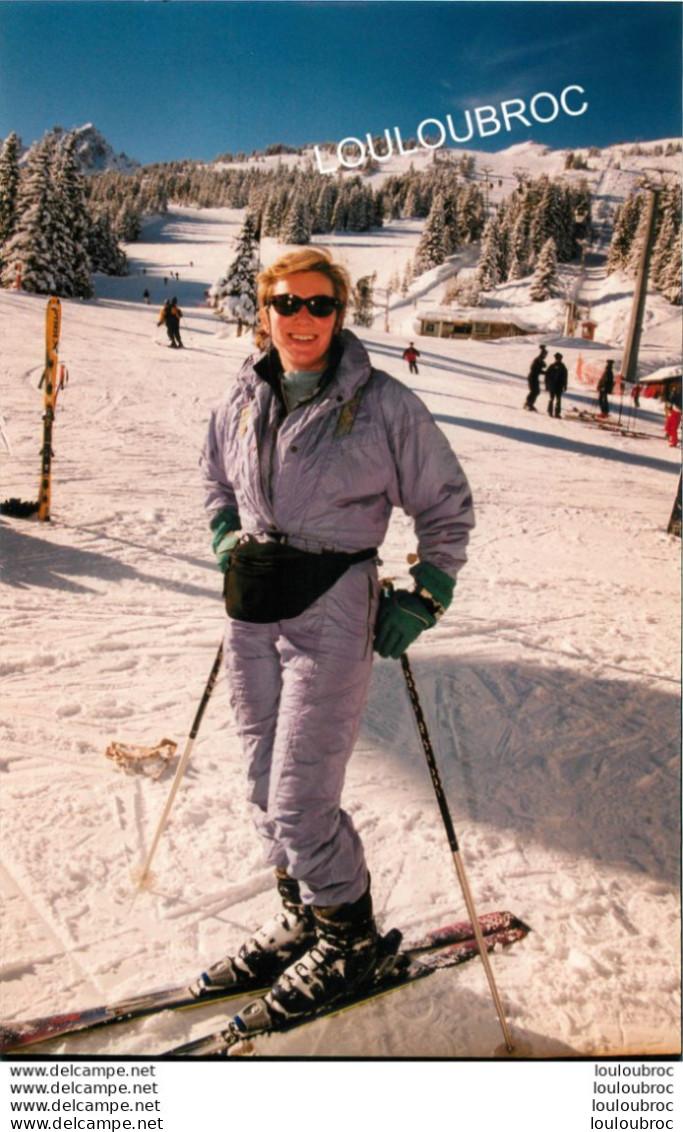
<point>473,314</point>
<point>659,376</point>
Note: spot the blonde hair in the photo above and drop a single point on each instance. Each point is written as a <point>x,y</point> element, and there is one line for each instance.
<point>291,263</point>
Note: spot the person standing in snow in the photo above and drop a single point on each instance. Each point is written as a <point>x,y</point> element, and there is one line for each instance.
<point>556,384</point>
<point>673,420</point>
<point>411,355</point>
<point>534,379</point>
<point>605,387</point>
<point>305,458</point>
<point>171,315</point>
<point>173,323</point>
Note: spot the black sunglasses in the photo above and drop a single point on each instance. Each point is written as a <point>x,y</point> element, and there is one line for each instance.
<point>320,306</point>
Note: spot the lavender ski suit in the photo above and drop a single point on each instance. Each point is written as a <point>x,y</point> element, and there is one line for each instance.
<point>328,474</point>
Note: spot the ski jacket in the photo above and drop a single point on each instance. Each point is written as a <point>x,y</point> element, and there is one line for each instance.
<point>556,377</point>
<point>606,382</point>
<point>410,354</point>
<point>329,473</point>
<point>170,312</point>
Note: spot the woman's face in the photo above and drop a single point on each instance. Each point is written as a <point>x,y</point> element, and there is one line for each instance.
<point>301,340</point>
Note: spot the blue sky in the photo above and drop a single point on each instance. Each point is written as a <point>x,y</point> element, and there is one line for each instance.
<point>189,79</point>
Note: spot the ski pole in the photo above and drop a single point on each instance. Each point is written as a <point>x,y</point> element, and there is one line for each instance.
<point>453,842</point>
<point>143,877</point>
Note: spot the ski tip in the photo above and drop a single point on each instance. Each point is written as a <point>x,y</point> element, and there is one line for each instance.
<point>521,925</point>
<point>512,921</point>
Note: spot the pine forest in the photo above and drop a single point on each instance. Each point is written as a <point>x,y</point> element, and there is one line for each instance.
<point>59,227</point>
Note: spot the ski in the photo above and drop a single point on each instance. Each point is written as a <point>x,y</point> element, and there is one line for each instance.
<point>398,969</point>
<point>18,1035</point>
<point>32,1031</point>
<point>607,424</point>
<point>49,380</point>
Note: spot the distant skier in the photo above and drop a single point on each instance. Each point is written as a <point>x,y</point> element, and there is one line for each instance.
<point>146,296</point>
<point>174,316</point>
<point>605,387</point>
<point>171,315</point>
<point>534,379</point>
<point>556,384</point>
<point>673,421</point>
<point>411,355</point>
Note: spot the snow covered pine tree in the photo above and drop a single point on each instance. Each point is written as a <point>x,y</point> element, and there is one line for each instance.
<point>234,295</point>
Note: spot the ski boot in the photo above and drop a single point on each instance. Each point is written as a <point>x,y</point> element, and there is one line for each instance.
<point>342,959</point>
<point>283,938</point>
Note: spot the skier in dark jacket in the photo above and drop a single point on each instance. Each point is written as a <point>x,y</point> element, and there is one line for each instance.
<point>534,379</point>
<point>171,315</point>
<point>556,384</point>
<point>307,454</point>
<point>605,387</point>
<point>411,355</point>
<point>173,318</point>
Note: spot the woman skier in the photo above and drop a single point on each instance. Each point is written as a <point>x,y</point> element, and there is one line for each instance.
<point>305,458</point>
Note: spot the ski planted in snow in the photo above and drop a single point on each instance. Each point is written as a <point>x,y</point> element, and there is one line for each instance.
<point>49,380</point>
<point>18,1035</point>
<point>397,968</point>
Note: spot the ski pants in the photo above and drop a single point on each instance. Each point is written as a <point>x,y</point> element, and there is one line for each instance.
<point>173,331</point>
<point>534,390</point>
<point>298,689</point>
<point>555,397</point>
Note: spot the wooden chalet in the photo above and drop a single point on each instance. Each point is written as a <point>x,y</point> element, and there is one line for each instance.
<point>478,323</point>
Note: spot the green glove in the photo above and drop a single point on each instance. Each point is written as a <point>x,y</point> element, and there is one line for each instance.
<point>401,618</point>
<point>225,526</point>
<point>403,615</point>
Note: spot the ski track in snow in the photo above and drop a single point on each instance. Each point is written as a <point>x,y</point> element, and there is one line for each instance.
<point>551,691</point>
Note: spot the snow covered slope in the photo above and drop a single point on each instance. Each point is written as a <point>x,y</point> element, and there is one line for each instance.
<point>551,689</point>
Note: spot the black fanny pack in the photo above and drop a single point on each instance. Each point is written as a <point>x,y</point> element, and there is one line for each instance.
<point>272,581</point>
